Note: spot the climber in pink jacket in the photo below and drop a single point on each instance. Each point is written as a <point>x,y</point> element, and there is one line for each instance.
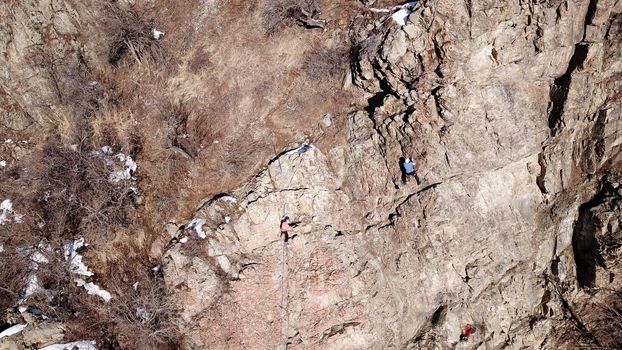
<point>286,228</point>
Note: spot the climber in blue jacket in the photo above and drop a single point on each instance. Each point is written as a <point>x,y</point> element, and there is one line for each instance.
<point>408,169</point>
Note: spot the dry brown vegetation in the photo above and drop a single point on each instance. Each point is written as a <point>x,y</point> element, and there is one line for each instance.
<point>279,14</point>
<point>137,317</point>
<point>13,275</point>
<point>198,113</point>
<point>76,195</point>
<point>324,65</point>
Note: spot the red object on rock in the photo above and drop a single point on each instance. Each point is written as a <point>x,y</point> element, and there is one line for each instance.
<point>468,330</point>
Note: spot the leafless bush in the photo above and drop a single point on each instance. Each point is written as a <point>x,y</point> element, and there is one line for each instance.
<point>70,76</point>
<point>142,315</point>
<point>607,328</point>
<point>193,125</point>
<point>133,37</point>
<point>279,14</point>
<point>76,195</point>
<point>13,275</point>
<point>326,64</point>
<point>243,154</point>
<point>199,60</point>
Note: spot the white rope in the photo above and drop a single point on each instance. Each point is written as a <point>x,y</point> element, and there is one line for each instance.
<point>285,269</point>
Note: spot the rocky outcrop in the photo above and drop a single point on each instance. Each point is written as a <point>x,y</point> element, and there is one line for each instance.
<point>512,112</point>
<point>511,109</point>
<point>35,335</point>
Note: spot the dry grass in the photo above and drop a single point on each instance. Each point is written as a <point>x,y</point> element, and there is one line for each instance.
<point>127,91</point>
<point>326,64</point>
<point>13,274</point>
<point>76,196</point>
<point>115,127</point>
<point>139,316</point>
<point>279,14</point>
<point>133,41</point>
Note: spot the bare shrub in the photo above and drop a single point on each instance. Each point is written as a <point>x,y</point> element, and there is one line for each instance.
<point>113,126</point>
<point>609,326</point>
<point>192,125</point>
<point>13,275</point>
<point>71,79</point>
<point>203,128</point>
<point>326,63</point>
<point>279,14</point>
<point>243,155</point>
<point>76,195</point>
<point>142,315</point>
<point>199,60</point>
<point>133,36</point>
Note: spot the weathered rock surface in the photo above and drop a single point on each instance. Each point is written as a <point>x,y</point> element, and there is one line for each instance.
<point>35,335</point>
<point>512,111</point>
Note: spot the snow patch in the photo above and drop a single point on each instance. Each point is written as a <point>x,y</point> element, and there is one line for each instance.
<point>227,219</point>
<point>12,330</point>
<point>8,141</point>
<point>129,167</point>
<point>7,214</point>
<point>2,163</point>
<point>143,314</point>
<point>94,289</point>
<point>230,199</point>
<point>157,34</point>
<point>32,287</point>
<point>6,205</point>
<point>135,286</point>
<point>39,258</point>
<point>124,166</point>
<point>80,345</point>
<point>184,239</point>
<point>75,259</point>
<point>79,268</point>
<point>401,16</point>
<point>197,224</point>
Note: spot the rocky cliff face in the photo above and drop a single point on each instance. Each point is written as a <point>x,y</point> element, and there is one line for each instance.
<point>511,110</point>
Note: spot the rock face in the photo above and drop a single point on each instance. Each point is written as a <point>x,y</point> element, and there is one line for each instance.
<point>513,114</point>
<point>36,335</point>
<point>511,109</point>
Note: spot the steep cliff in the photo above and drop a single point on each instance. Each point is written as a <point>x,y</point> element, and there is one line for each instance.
<point>511,109</point>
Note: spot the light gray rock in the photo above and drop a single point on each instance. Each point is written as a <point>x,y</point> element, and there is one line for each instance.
<point>43,334</point>
<point>492,107</point>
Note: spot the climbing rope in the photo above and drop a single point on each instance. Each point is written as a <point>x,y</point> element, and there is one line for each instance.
<point>285,270</point>
<point>285,296</point>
